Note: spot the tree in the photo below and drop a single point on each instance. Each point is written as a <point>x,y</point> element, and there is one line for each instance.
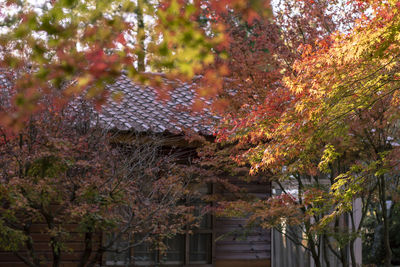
<point>338,119</point>
<point>60,51</point>
<point>64,169</point>
<point>268,126</point>
<point>359,91</point>
<point>53,43</point>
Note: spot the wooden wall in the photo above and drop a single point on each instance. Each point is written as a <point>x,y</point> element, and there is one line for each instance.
<point>69,258</point>
<point>240,246</point>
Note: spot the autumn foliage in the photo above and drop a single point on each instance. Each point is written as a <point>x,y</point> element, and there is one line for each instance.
<point>64,172</point>
<point>80,46</point>
<point>324,115</point>
<point>307,93</point>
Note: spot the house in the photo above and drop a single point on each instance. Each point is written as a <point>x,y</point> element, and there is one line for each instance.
<point>218,241</point>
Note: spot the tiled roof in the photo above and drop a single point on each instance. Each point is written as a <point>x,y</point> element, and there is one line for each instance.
<point>141,110</point>
<point>5,84</point>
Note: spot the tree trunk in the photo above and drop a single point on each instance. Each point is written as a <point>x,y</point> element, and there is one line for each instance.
<point>55,246</point>
<point>343,258</point>
<point>54,241</point>
<point>342,227</point>
<point>97,257</point>
<point>29,245</point>
<point>326,256</point>
<point>315,257</point>
<point>385,220</point>
<point>352,255</point>
<point>141,36</point>
<point>351,243</point>
<point>25,260</point>
<point>312,246</point>
<point>88,249</point>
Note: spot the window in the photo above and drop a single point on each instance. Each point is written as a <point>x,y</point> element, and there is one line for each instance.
<point>200,248</point>
<point>121,258</point>
<point>146,255</point>
<point>183,250</point>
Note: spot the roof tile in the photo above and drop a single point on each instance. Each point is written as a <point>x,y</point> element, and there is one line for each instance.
<point>142,110</point>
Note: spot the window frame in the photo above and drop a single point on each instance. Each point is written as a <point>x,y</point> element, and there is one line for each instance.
<point>186,252</point>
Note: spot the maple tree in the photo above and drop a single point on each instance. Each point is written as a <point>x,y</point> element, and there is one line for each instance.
<point>352,103</point>
<point>329,116</point>
<point>93,42</point>
<point>310,94</point>
<point>53,162</point>
<point>64,169</point>
<point>271,126</point>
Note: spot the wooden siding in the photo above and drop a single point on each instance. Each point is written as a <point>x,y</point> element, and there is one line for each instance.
<point>243,263</point>
<point>69,258</point>
<point>235,242</point>
<point>239,247</point>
